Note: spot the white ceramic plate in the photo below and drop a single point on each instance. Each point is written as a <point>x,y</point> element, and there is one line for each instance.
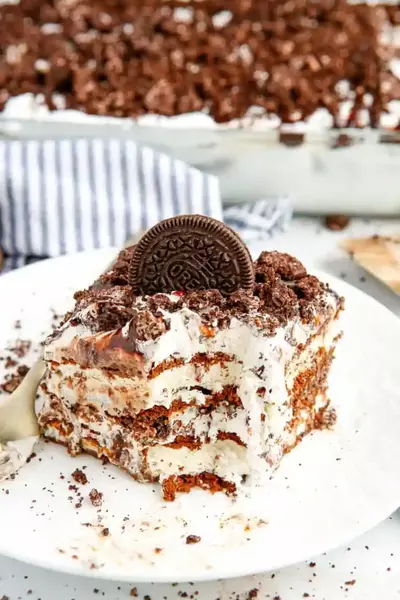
<point>331,488</point>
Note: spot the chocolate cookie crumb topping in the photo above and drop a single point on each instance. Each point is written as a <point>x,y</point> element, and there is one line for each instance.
<point>242,302</point>
<point>160,302</point>
<point>203,299</point>
<point>282,290</point>
<point>286,266</point>
<point>308,287</point>
<point>279,300</point>
<point>146,326</point>
<point>111,307</point>
<point>284,58</point>
<point>190,252</point>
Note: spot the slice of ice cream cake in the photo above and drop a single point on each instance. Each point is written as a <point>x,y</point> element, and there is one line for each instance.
<point>193,387</point>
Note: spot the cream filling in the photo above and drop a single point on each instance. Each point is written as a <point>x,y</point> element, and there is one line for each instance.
<point>225,458</point>
<point>166,461</point>
<point>94,387</point>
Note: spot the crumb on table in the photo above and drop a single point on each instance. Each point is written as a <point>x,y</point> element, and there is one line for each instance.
<point>96,497</point>
<point>193,539</point>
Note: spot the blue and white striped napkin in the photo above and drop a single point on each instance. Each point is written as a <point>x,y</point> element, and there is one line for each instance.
<point>65,196</point>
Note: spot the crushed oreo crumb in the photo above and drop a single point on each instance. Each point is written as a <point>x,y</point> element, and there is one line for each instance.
<point>308,288</point>
<point>96,497</point>
<point>10,362</point>
<point>279,300</point>
<point>21,348</point>
<point>202,299</point>
<point>193,539</point>
<point>79,476</point>
<point>282,290</point>
<point>242,302</point>
<point>286,266</point>
<point>160,302</point>
<point>110,308</point>
<point>13,380</point>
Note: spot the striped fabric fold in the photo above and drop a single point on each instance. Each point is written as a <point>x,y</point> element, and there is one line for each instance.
<point>65,196</point>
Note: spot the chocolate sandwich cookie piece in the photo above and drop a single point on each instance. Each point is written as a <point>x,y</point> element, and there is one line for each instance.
<point>190,252</point>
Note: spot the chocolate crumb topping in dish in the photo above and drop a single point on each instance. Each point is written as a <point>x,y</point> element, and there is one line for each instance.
<point>277,57</point>
<point>204,388</point>
<point>190,252</point>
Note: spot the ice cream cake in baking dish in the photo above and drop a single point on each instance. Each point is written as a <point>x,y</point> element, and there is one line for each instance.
<point>189,364</point>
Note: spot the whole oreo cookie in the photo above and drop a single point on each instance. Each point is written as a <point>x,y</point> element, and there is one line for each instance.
<point>190,252</point>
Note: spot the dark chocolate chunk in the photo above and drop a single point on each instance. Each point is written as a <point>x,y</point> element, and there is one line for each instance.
<point>190,252</point>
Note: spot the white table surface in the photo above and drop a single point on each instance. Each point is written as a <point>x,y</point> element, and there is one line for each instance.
<point>367,569</point>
